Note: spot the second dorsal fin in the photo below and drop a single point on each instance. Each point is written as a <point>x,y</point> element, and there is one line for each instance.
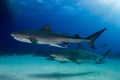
<point>46,28</point>
<point>77,36</point>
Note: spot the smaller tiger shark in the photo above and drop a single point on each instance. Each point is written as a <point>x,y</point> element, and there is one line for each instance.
<point>77,55</point>
<point>46,36</point>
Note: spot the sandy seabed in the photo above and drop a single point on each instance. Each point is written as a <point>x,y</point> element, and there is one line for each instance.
<point>38,68</point>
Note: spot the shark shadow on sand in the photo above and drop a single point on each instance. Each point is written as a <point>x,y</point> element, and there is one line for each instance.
<point>59,76</point>
<point>7,77</point>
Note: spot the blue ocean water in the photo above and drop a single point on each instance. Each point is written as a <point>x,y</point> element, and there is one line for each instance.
<point>83,17</point>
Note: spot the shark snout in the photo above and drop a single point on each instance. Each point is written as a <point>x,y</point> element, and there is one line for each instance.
<point>53,55</point>
<point>12,35</point>
<point>16,35</point>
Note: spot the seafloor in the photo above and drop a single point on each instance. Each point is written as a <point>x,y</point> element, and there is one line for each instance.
<point>37,68</point>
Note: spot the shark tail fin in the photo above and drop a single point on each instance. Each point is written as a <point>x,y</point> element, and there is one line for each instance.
<point>106,54</point>
<point>93,37</point>
<point>101,60</point>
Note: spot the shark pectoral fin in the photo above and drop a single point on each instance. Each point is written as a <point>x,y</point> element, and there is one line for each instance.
<point>34,41</point>
<point>57,45</point>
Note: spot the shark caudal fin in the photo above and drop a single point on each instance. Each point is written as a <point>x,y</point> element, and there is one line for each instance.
<point>101,60</point>
<point>106,54</point>
<point>93,37</point>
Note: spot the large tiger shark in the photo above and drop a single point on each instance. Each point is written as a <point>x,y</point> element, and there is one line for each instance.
<point>46,36</point>
<point>77,55</point>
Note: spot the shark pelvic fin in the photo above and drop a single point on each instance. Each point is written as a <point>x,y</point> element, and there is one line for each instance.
<point>46,28</point>
<point>80,47</point>
<point>34,41</point>
<point>57,45</point>
<point>93,37</point>
<point>65,43</point>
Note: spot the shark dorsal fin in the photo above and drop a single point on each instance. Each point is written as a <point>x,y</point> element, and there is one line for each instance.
<point>77,36</point>
<point>46,28</point>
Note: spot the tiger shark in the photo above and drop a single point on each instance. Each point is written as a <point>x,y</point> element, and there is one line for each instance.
<point>46,36</point>
<point>77,55</point>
